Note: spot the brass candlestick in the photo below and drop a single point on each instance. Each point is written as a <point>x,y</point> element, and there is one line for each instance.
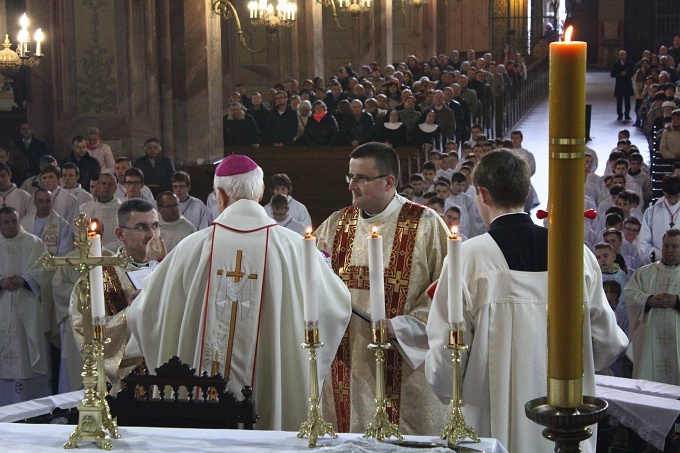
<point>457,429</point>
<point>94,418</point>
<point>381,427</point>
<point>315,426</point>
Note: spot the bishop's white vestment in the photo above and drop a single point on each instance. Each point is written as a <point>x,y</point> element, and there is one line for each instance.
<point>413,249</point>
<point>654,333</point>
<point>24,353</point>
<point>228,299</point>
<point>506,324</point>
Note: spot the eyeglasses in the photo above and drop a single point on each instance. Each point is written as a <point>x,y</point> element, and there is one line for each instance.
<point>142,227</point>
<point>362,180</point>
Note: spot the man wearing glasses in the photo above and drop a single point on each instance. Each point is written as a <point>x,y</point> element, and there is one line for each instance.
<point>660,218</point>
<point>138,231</point>
<point>414,245</point>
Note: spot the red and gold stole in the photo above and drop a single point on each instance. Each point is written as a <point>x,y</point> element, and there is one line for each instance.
<point>114,296</point>
<point>397,277</point>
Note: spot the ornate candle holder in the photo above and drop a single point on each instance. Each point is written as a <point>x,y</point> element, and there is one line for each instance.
<point>381,427</point>
<point>94,417</point>
<point>566,427</point>
<point>315,426</point>
<point>457,429</point>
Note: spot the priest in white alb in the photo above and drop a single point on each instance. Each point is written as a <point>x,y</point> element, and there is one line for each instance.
<point>24,359</point>
<point>653,301</point>
<point>228,299</point>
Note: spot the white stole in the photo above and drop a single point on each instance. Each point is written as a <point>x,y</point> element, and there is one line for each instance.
<point>232,306</point>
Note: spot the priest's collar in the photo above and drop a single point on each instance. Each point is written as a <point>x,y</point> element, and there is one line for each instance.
<point>394,205</point>
<point>510,217</point>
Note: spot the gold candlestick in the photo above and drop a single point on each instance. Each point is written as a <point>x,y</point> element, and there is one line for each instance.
<point>94,417</point>
<point>457,429</point>
<point>381,427</point>
<point>315,426</point>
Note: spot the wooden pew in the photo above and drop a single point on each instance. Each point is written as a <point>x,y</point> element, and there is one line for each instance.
<point>317,173</point>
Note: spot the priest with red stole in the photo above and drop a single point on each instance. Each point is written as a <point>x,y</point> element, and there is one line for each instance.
<point>229,299</point>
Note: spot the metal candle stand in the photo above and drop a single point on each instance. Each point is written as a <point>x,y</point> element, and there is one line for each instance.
<point>94,417</point>
<point>457,429</point>
<point>315,426</point>
<point>381,428</point>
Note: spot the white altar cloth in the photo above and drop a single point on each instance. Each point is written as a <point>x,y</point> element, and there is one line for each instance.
<point>648,408</point>
<point>41,406</point>
<point>20,437</point>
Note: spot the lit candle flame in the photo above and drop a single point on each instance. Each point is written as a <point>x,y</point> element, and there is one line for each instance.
<point>374,232</point>
<point>23,21</point>
<point>454,232</point>
<point>568,33</point>
<point>94,228</point>
<point>308,233</point>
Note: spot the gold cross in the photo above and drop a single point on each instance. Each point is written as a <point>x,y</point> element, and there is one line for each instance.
<point>237,273</point>
<point>397,281</point>
<point>667,285</point>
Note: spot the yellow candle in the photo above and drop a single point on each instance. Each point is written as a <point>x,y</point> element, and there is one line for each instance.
<point>565,234</point>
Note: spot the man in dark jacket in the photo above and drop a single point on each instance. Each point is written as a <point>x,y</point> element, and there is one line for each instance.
<point>88,165</point>
<point>622,71</point>
<point>240,129</point>
<point>357,128</point>
<point>32,148</point>
<point>282,122</point>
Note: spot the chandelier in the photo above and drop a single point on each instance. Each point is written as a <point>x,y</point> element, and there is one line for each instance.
<point>261,13</point>
<point>13,60</point>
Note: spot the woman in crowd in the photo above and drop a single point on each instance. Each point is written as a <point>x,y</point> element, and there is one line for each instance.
<point>427,135</point>
<point>100,150</point>
<point>322,129</point>
<point>392,131</point>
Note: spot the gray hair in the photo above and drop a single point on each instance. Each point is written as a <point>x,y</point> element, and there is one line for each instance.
<point>248,186</point>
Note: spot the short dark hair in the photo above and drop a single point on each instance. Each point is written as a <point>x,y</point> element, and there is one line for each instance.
<point>134,171</point>
<point>633,220</point>
<point>454,209</point>
<point>671,184</point>
<point>429,165</point>
<point>673,232</point>
<point>517,132</point>
<point>282,180</point>
<point>78,139</point>
<point>386,158</point>
<point>279,201</point>
<point>604,245</point>
<point>505,175</point>
<point>181,176</point>
<point>160,196</point>
<point>51,169</point>
<point>613,231</point>
<point>458,177</point>
<point>71,166</point>
<point>5,167</point>
<point>8,210</point>
<point>129,206</point>
<point>612,286</point>
<point>123,159</point>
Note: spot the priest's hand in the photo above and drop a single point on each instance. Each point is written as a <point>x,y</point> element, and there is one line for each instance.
<point>663,300</point>
<point>134,296</point>
<point>12,283</point>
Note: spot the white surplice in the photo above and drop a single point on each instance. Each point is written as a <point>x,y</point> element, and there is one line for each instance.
<point>506,318</point>
<point>173,232</point>
<point>654,334</point>
<point>24,360</point>
<point>179,299</point>
<point>195,211</point>
<point>18,199</point>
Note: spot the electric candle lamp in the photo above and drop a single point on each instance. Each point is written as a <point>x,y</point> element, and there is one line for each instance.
<point>39,37</point>
<point>567,100</point>
<point>376,276</point>
<point>96,274</point>
<point>454,280</point>
<point>311,308</point>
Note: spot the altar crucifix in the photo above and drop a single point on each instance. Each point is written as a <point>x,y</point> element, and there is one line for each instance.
<point>94,415</point>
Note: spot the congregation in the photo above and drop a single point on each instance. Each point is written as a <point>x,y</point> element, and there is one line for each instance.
<point>442,108</point>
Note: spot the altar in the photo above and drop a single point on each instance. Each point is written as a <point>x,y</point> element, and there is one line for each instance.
<point>21,437</point>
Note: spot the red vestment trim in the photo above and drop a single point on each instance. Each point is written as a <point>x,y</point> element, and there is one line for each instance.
<point>397,277</point>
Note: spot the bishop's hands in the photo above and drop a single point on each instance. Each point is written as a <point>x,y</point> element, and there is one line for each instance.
<point>663,300</point>
<point>12,283</point>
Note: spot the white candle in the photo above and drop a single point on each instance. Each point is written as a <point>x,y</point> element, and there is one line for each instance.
<point>96,279</point>
<point>376,275</point>
<point>454,280</point>
<point>38,39</point>
<point>309,252</point>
